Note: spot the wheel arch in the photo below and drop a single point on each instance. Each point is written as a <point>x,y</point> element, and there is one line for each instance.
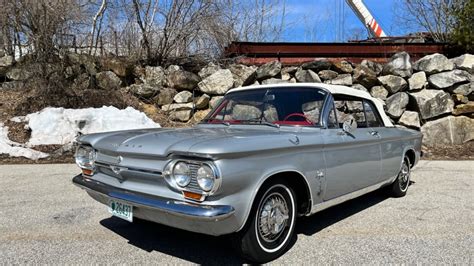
<point>297,181</point>
<point>410,153</point>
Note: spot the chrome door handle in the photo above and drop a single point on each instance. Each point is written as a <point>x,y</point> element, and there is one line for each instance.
<point>374,133</point>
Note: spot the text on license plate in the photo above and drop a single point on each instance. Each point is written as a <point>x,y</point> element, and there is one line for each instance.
<point>121,210</point>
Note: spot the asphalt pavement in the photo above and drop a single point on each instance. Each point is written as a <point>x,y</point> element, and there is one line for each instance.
<point>45,219</point>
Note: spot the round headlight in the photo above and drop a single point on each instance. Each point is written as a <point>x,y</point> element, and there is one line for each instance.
<point>206,178</point>
<point>181,174</point>
<point>85,157</point>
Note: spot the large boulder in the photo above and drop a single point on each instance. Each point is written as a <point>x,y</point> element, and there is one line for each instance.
<point>143,90</point>
<point>5,63</point>
<point>107,80</point>
<point>182,80</point>
<point>165,96</point>
<point>208,70</point>
<point>154,76</point>
<point>342,67</point>
<point>410,119</point>
<point>177,107</point>
<point>466,108</point>
<point>448,130</point>
<point>268,70</point>
<point>359,87</point>
<point>84,60</point>
<point>243,75</point>
<point>463,89</point>
<point>327,74</point>
<point>218,83</point>
<point>200,115</point>
<point>417,81</point>
<point>17,73</point>
<point>376,67</point>
<point>433,63</point>
<point>172,68</point>
<point>379,92</point>
<point>448,79</point>
<point>464,62</point>
<point>396,104</point>
<point>307,75</point>
<point>273,81</point>
<point>342,79</point>
<point>181,115</point>
<point>365,76</point>
<point>288,72</point>
<point>183,97</point>
<point>399,65</point>
<point>317,65</point>
<point>202,102</point>
<point>393,83</point>
<point>433,103</point>
<point>120,67</point>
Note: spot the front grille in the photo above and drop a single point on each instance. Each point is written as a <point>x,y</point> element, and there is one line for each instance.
<point>193,185</point>
<point>126,172</point>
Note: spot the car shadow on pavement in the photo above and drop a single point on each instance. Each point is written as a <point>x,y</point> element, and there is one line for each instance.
<point>209,250</point>
<point>193,247</point>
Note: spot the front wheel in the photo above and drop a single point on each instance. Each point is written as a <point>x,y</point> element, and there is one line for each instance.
<point>271,224</point>
<point>400,185</point>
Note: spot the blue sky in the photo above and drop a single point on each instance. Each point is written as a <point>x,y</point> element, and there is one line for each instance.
<point>315,20</point>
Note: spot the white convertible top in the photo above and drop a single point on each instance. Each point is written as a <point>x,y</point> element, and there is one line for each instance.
<point>333,89</point>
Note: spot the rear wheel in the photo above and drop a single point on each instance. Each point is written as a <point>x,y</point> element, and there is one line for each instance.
<point>271,224</point>
<point>400,185</point>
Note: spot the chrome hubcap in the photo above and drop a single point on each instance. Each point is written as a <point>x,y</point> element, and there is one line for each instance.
<point>273,217</point>
<point>404,176</point>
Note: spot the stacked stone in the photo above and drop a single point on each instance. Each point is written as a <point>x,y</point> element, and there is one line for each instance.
<point>433,94</point>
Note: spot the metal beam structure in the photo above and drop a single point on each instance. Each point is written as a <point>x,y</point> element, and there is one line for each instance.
<point>296,53</point>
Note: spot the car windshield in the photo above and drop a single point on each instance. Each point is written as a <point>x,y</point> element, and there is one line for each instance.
<point>294,106</point>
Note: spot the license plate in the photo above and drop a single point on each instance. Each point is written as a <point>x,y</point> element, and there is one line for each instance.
<point>121,210</point>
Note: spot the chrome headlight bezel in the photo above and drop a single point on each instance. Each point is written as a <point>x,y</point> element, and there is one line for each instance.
<point>206,177</point>
<point>85,157</point>
<point>168,174</point>
<point>181,179</point>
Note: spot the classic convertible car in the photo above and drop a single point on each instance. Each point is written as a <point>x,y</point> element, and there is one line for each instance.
<point>262,157</point>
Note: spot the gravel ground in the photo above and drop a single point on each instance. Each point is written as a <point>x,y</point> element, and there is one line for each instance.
<point>45,219</point>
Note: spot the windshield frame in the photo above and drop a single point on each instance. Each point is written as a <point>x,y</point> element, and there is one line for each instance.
<point>320,124</point>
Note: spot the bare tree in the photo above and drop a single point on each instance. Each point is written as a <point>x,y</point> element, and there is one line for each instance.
<point>95,33</point>
<point>433,16</point>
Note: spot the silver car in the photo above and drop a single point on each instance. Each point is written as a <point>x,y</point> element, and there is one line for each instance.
<point>262,157</point>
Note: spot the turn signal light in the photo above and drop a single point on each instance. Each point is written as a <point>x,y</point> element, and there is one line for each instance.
<point>192,195</point>
<point>87,172</point>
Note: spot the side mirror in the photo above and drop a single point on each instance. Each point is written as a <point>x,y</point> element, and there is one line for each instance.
<point>349,125</point>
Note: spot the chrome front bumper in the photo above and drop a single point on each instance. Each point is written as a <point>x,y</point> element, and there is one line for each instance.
<point>206,219</point>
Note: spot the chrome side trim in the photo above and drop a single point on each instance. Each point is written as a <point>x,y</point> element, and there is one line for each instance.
<point>332,202</point>
<point>156,203</point>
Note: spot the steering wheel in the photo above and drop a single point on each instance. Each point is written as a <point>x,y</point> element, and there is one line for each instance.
<point>298,115</point>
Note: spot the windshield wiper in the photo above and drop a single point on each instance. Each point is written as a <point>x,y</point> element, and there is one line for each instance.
<point>215,121</point>
<point>261,122</point>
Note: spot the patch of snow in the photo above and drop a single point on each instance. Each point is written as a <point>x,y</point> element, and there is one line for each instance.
<point>14,149</point>
<point>18,119</point>
<point>62,126</point>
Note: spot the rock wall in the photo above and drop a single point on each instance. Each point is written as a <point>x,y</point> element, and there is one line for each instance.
<point>434,94</point>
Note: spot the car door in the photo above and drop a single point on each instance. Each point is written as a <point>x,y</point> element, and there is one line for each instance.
<point>352,159</point>
<point>390,144</point>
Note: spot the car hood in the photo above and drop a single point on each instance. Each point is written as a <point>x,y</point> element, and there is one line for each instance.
<point>197,140</point>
